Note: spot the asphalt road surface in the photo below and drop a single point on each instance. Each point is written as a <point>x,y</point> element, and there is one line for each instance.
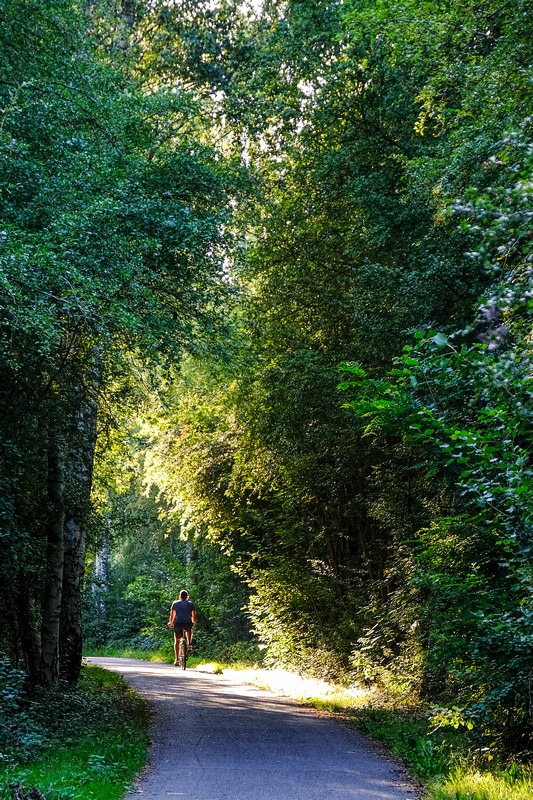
<point>215,739</point>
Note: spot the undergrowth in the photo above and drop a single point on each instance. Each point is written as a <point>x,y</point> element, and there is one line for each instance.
<point>86,743</point>
<point>446,761</point>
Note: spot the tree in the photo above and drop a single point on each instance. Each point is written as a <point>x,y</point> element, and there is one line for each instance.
<point>463,401</point>
<point>112,226</point>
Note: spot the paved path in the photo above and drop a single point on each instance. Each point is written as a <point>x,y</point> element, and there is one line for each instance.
<point>215,739</point>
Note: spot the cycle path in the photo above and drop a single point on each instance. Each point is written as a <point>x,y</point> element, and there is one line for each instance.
<point>216,739</point>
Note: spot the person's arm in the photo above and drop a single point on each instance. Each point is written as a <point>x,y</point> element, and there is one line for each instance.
<point>193,616</point>
<point>172,616</point>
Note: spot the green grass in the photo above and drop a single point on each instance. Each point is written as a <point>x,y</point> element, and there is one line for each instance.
<point>88,743</point>
<point>465,784</point>
<point>98,768</point>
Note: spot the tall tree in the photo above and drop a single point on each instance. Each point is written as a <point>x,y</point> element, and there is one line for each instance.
<point>109,255</point>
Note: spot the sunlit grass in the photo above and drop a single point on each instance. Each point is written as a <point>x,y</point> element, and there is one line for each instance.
<point>470,785</point>
<point>308,690</point>
<point>214,667</point>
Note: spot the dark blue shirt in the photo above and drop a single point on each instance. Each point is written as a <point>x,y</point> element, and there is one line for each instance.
<point>183,609</point>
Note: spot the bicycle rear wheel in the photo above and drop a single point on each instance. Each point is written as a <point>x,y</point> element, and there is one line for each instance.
<point>183,652</point>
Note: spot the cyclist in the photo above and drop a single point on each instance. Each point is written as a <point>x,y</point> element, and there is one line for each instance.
<point>182,618</point>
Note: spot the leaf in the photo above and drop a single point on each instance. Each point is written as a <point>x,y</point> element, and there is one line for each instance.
<point>441,340</point>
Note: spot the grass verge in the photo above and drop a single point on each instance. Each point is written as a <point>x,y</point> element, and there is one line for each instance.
<point>88,743</point>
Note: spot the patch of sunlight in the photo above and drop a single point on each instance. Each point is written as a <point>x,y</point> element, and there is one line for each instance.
<point>463,785</point>
<point>290,684</point>
<point>213,667</point>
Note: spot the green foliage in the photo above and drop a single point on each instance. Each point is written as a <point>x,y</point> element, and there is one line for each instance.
<point>466,404</point>
<point>294,617</point>
<point>383,192</point>
<point>112,214</point>
<point>17,734</point>
<point>75,743</point>
<point>141,564</point>
<point>362,125</point>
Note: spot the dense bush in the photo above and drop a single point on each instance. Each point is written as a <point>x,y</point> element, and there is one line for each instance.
<point>462,401</point>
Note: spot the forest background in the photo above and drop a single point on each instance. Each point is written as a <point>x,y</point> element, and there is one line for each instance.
<point>266,317</point>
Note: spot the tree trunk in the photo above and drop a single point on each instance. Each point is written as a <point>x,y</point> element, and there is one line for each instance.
<point>80,473</point>
<point>26,633</point>
<point>51,604</point>
<point>71,635</point>
<point>101,583</point>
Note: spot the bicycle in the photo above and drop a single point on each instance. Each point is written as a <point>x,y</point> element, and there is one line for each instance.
<point>184,649</point>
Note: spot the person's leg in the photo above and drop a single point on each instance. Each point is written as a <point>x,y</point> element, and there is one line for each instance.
<point>176,645</point>
<point>188,632</point>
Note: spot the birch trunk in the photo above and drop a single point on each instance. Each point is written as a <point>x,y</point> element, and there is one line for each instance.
<point>101,583</point>
<point>80,473</point>
<point>52,595</point>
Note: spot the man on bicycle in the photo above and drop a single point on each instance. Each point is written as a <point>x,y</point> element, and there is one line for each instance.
<point>182,618</point>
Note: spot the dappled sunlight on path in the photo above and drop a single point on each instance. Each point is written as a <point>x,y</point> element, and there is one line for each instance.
<point>290,684</point>
<point>229,740</point>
